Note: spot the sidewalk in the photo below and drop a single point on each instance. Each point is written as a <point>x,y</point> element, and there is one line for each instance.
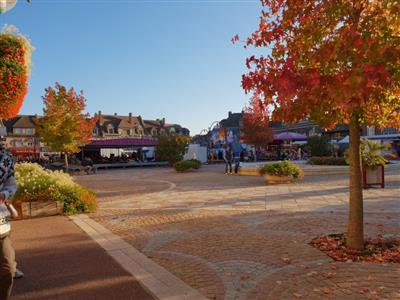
<point>62,262</point>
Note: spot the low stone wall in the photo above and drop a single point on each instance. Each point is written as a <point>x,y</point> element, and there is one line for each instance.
<point>41,209</point>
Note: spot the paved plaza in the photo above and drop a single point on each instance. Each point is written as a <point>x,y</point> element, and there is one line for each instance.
<point>234,237</point>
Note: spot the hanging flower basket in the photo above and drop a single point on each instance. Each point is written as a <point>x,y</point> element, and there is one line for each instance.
<point>15,58</point>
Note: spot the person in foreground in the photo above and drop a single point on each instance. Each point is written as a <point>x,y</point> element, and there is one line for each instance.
<point>7,254</point>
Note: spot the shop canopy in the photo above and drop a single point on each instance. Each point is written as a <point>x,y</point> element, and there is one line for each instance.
<point>290,136</point>
<point>121,143</point>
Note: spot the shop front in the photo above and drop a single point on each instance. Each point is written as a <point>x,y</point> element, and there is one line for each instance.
<point>25,153</point>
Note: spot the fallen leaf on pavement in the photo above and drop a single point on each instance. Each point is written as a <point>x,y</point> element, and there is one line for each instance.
<point>286,260</point>
<point>297,295</point>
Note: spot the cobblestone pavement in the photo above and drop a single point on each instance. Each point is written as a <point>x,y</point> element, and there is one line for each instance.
<point>234,237</point>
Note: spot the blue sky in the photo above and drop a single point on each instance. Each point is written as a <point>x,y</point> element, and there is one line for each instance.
<point>171,59</point>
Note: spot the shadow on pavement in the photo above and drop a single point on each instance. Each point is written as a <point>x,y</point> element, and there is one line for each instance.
<point>62,262</point>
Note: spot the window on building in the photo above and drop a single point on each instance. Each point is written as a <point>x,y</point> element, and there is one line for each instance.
<point>18,130</point>
<point>110,129</point>
<point>128,132</point>
<point>29,131</point>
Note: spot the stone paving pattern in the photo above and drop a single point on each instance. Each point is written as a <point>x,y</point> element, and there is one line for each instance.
<point>234,237</point>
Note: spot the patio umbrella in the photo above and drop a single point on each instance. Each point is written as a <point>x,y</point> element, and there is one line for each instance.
<point>345,140</point>
<point>290,136</point>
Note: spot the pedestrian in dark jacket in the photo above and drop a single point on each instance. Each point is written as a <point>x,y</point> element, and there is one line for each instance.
<point>228,156</point>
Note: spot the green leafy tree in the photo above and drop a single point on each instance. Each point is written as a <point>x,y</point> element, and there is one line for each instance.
<point>64,127</point>
<point>171,148</point>
<point>319,146</point>
<point>335,61</point>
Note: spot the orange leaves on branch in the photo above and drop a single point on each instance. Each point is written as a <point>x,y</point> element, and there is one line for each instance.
<point>327,59</point>
<point>65,127</point>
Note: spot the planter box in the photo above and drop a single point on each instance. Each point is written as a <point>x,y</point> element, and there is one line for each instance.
<point>274,179</point>
<point>41,209</point>
<point>373,175</point>
<point>249,171</point>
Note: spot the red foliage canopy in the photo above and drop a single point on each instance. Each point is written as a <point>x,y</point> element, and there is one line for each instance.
<point>256,130</point>
<point>328,59</point>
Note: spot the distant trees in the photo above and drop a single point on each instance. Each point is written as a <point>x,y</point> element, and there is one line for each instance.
<point>65,127</point>
<point>319,145</point>
<point>171,148</point>
<point>256,130</point>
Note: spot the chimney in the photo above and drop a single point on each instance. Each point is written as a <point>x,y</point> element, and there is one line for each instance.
<point>229,114</point>
<point>163,122</point>
<point>115,114</point>
<point>101,121</point>
<point>130,118</point>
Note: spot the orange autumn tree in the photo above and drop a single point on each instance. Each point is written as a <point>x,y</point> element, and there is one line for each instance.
<point>64,127</point>
<point>256,130</point>
<point>336,62</point>
<point>15,61</point>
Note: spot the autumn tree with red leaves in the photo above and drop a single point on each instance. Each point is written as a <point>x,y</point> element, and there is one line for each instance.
<point>15,60</point>
<point>256,130</point>
<point>336,62</point>
<point>64,127</point>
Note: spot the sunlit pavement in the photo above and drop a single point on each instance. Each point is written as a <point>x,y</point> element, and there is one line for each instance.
<point>234,237</point>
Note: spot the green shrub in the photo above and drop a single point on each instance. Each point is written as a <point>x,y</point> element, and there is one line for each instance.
<point>319,146</point>
<point>37,184</point>
<point>371,154</point>
<point>171,148</point>
<point>284,168</point>
<point>185,165</point>
<point>332,161</point>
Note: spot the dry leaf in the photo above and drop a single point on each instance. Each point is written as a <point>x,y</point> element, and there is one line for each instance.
<point>286,260</point>
<point>297,295</point>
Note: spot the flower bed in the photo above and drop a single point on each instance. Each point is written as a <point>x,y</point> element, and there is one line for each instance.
<point>35,184</point>
<point>284,168</point>
<point>376,250</point>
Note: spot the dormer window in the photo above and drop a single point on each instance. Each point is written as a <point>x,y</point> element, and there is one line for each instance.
<point>110,129</point>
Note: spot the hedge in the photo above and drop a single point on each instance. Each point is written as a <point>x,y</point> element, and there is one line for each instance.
<point>335,161</point>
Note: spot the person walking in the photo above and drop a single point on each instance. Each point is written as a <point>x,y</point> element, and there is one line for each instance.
<point>7,255</point>
<point>228,156</point>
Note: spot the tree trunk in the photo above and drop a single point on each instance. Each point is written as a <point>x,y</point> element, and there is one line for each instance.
<point>355,229</point>
<point>66,161</point>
